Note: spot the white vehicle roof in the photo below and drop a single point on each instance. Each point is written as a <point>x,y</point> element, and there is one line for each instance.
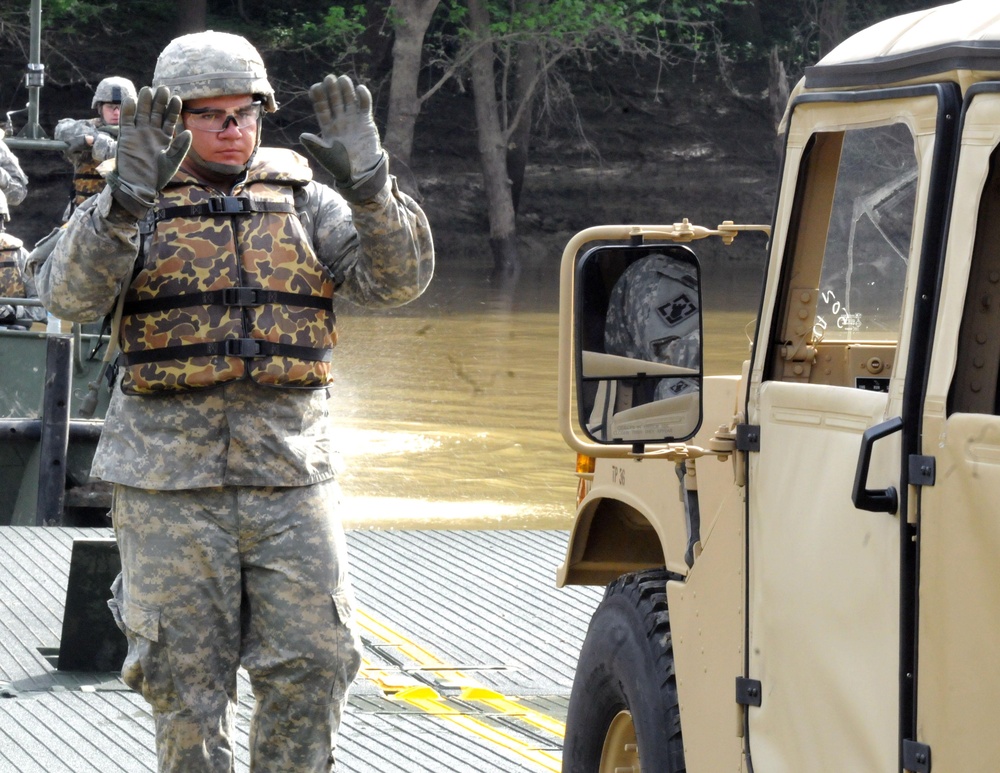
<point>960,40</point>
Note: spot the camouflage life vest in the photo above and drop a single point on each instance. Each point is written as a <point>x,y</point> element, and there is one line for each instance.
<point>86,182</point>
<point>230,288</point>
<point>86,179</point>
<point>11,281</point>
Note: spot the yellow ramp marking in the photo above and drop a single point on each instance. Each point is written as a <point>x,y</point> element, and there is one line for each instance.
<point>411,649</point>
<point>507,706</point>
<point>401,687</point>
<point>388,680</point>
<point>427,700</point>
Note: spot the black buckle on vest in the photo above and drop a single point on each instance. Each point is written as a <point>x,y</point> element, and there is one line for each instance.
<point>240,296</point>
<point>243,347</point>
<point>227,205</point>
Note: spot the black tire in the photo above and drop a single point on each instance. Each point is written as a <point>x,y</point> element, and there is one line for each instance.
<point>626,665</point>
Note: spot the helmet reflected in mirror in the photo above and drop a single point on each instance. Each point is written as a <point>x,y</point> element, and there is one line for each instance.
<point>638,333</point>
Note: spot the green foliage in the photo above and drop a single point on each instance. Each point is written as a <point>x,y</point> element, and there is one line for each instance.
<point>339,26</point>
<point>667,30</point>
<point>87,17</point>
<point>335,33</point>
<point>582,24</point>
<point>75,11</point>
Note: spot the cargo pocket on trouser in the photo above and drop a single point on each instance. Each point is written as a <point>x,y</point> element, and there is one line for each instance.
<point>348,639</point>
<point>146,668</point>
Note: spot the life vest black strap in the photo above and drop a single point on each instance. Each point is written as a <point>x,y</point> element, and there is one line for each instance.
<point>225,205</point>
<point>229,296</point>
<point>8,263</point>
<point>248,348</point>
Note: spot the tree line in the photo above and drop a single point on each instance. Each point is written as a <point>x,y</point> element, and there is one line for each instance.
<point>515,57</point>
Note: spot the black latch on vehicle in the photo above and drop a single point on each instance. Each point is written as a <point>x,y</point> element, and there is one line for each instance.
<point>748,691</point>
<point>747,437</point>
<point>922,470</point>
<point>916,757</point>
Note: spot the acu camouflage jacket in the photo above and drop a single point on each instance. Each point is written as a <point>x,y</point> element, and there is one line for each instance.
<point>380,253</point>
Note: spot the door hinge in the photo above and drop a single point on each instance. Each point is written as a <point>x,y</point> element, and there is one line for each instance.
<point>922,470</point>
<point>747,691</point>
<point>916,757</point>
<point>798,350</point>
<point>747,437</point>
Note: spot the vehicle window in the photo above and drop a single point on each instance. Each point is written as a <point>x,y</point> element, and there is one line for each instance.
<point>974,388</point>
<point>868,241</point>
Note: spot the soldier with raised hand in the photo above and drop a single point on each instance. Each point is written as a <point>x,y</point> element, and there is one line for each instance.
<point>13,256</point>
<point>13,281</point>
<point>93,141</point>
<point>13,180</point>
<point>218,437</point>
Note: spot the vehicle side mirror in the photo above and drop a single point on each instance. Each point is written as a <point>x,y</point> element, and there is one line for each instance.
<point>638,332</point>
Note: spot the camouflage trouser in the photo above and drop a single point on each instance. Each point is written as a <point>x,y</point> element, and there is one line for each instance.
<point>217,578</point>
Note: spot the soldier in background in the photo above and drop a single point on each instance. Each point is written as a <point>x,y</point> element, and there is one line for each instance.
<point>93,140</point>
<point>219,438</point>
<point>13,180</point>
<point>13,282</point>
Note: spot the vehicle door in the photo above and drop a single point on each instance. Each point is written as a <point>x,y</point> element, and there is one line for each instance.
<point>958,684</point>
<point>822,682</point>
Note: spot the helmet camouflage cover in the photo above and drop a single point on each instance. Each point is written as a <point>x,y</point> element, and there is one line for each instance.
<point>213,64</point>
<point>113,89</point>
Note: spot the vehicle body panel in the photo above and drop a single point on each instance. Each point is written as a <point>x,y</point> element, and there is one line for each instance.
<point>867,631</point>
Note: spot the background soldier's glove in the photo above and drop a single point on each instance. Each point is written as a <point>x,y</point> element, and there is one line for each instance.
<point>148,154</point>
<point>79,144</point>
<point>348,146</point>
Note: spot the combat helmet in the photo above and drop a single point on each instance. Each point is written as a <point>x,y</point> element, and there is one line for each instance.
<point>113,89</point>
<point>213,64</point>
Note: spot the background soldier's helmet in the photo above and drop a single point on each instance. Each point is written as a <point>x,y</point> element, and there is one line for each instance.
<point>213,64</point>
<point>113,89</point>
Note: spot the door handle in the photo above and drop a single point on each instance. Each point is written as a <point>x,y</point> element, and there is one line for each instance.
<point>874,500</point>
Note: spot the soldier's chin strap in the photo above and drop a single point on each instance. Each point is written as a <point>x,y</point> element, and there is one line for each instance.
<point>224,171</point>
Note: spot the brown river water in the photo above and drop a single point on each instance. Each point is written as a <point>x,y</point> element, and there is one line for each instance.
<point>447,408</point>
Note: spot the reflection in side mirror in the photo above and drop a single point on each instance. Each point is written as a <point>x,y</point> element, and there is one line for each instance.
<point>638,336</point>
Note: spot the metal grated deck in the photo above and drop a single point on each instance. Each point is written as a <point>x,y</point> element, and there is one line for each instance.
<point>469,658</point>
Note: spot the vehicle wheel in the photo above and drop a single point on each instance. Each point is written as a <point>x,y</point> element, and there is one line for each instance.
<point>623,713</point>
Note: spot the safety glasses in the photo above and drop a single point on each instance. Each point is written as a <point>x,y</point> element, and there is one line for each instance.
<point>210,119</point>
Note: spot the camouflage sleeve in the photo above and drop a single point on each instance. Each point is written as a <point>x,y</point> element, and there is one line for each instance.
<point>28,312</point>
<point>69,129</point>
<point>380,252</point>
<point>79,277</point>
<point>105,147</point>
<point>13,180</point>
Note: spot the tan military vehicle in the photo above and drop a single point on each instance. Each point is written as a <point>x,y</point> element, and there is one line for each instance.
<point>803,562</point>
